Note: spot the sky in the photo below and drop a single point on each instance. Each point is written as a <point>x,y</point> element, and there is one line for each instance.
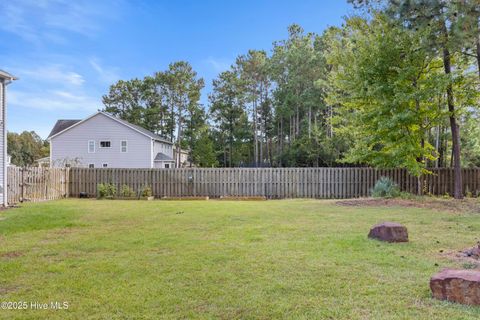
<point>66,53</point>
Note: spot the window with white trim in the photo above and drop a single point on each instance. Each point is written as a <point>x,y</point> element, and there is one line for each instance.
<point>105,144</point>
<point>91,166</point>
<point>123,146</point>
<point>105,165</point>
<point>91,146</point>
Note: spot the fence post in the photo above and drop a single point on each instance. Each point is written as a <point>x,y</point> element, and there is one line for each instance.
<point>194,182</point>
<point>22,185</point>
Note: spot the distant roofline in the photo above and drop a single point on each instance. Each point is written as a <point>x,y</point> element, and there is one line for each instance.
<point>125,123</point>
<point>59,121</point>
<point>167,158</point>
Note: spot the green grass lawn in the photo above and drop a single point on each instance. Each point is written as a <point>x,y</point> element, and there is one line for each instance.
<point>290,259</point>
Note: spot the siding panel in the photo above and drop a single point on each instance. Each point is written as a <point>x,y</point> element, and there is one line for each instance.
<point>73,144</point>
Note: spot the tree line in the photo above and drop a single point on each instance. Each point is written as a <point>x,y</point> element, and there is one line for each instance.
<point>26,147</point>
<point>397,85</point>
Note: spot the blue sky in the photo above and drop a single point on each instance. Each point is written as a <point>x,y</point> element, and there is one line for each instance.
<point>67,53</point>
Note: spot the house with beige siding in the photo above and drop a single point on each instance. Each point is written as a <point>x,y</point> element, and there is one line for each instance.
<point>105,141</point>
<point>182,160</point>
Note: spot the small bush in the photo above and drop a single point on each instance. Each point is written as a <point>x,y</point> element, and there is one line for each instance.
<point>147,192</point>
<point>385,188</point>
<point>101,190</point>
<point>127,192</point>
<point>111,190</point>
<point>106,190</point>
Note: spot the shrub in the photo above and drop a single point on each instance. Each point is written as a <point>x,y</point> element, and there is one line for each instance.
<point>147,192</point>
<point>111,190</point>
<point>127,192</point>
<point>101,190</point>
<point>106,190</point>
<point>385,188</point>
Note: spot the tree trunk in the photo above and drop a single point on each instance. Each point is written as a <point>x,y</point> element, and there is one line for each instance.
<point>255,147</point>
<point>420,185</point>
<point>268,144</point>
<point>309,122</point>
<point>172,123</point>
<point>281,141</point>
<point>224,156</point>
<point>478,54</point>
<point>179,139</point>
<point>458,192</point>
<point>260,157</point>
<point>437,146</point>
<point>230,151</point>
<point>297,123</point>
<point>442,162</point>
<point>292,129</point>
<point>329,128</point>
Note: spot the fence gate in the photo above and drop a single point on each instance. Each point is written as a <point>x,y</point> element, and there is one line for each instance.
<point>36,184</point>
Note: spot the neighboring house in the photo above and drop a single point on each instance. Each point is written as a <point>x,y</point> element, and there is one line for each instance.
<point>43,162</point>
<point>183,161</point>
<point>105,141</point>
<point>5,79</point>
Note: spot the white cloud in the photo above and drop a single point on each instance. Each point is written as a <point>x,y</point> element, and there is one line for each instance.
<point>52,87</point>
<point>40,21</point>
<point>105,74</point>
<point>52,73</point>
<point>53,100</point>
<point>218,65</point>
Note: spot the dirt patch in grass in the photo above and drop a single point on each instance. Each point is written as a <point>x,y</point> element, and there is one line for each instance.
<point>11,254</point>
<point>7,289</point>
<point>469,258</point>
<point>459,257</point>
<point>452,205</point>
<point>63,231</point>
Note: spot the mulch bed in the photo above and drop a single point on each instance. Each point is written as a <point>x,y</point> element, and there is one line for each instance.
<point>253,198</point>
<point>184,198</point>
<point>471,205</point>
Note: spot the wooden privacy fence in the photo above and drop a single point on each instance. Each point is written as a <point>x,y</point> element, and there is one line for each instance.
<point>273,183</point>
<point>36,184</point>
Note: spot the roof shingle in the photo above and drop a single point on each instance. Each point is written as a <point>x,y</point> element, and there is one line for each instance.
<point>162,157</point>
<point>64,124</point>
<point>61,125</point>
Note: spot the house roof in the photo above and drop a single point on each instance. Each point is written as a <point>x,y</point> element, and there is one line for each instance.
<point>6,75</point>
<point>144,131</point>
<point>61,125</point>
<point>162,157</point>
<point>64,125</point>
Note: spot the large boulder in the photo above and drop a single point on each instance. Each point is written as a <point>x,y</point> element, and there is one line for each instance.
<point>461,286</point>
<point>389,231</point>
